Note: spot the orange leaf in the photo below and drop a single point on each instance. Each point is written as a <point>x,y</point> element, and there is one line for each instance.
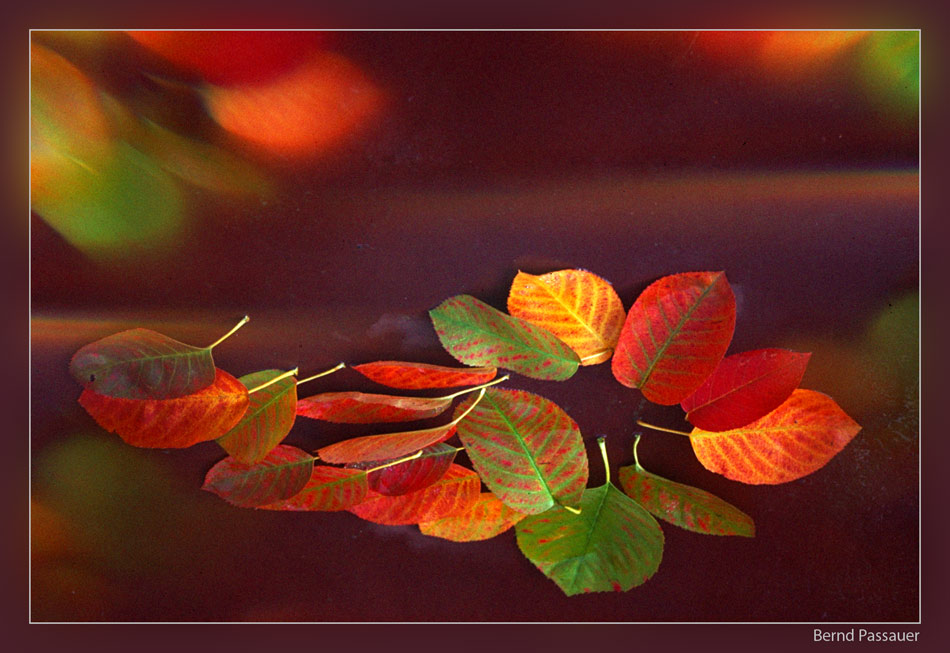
<point>485,519</point>
<point>577,306</point>
<point>675,335</point>
<point>386,446</point>
<point>172,423</point>
<point>365,408</point>
<point>416,376</point>
<point>794,440</point>
<point>455,492</point>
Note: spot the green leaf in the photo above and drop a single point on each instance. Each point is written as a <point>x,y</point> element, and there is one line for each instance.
<point>144,364</point>
<point>612,544</point>
<point>268,419</point>
<point>683,505</point>
<point>527,450</point>
<point>281,475</point>
<point>477,334</point>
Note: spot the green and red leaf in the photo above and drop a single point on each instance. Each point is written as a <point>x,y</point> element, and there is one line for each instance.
<point>612,545</point>
<point>418,376</point>
<point>675,335</point>
<point>172,423</point>
<point>363,408</point>
<point>329,489</point>
<point>454,493</point>
<point>142,364</point>
<point>280,475</point>
<point>744,388</point>
<point>483,520</point>
<point>577,306</point>
<point>683,505</point>
<point>270,416</point>
<point>411,475</point>
<point>527,450</point>
<point>794,440</point>
<point>477,334</point>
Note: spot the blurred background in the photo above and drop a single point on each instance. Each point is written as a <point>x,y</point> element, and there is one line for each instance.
<point>335,186</point>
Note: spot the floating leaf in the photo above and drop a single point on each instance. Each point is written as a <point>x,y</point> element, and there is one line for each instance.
<point>612,544</point>
<point>453,493</point>
<point>527,450</point>
<point>364,408</point>
<point>269,417</point>
<point>477,334</point>
<point>744,388</point>
<point>329,489</point>
<point>485,519</point>
<point>794,440</point>
<point>685,506</point>
<point>280,475</point>
<point>675,335</point>
<point>577,306</point>
<point>411,475</point>
<point>171,423</point>
<point>144,364</point>
<point>417,376</point>
<point>389,446</point>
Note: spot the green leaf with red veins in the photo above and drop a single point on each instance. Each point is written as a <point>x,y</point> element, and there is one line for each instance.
<point>527,450</point>
<point>280,475</point>
<point>682,505</point>
<point>477,334</point>
<point>329,489</point>
<point>675,335</point>
<point>454,493</point>
<point>268,419</point>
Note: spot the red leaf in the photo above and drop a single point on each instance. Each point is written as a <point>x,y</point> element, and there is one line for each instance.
<point>453,493</point>
<point>387,446</point>
<point>417,376</point>
<point>675,335</point>
<point>280,475</point>
<point>484,519</point>
<point>362,408</point>
<point>410,475</point>
<point>172,423</point>
<point>329,489</point>
<point>744,388</point>
<point>794,440</point>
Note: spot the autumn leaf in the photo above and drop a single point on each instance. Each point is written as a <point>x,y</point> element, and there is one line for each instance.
<point>675,335</point>
<point>577,306</point>
<point>527,450</point>
<point>411,475</point>
<point>280,475</point>
<point>270,416</point>
<point>794,440</point>
<point>329,489</point>
<point>417,376</point>
<point>477,334</point>
<point>483,520</point>
<point>682,505</point>
<point>144,364</point>
<point>453,493</point>
<point>612,544</point>
<point>171,423</point>
<point>744,388</point>
<point>364,408</point>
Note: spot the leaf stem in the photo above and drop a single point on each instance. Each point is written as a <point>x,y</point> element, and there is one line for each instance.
<point>339,366</point>
<point>665,430</point>
<point>481,393</point>
<point>636,459</point>
<point>477,387</point>
<point>395,462</point>
<point>279,377</point>
<point>244,320</point>
<point>597,354</point>
<point>576,511</point>
<point>602,443</point>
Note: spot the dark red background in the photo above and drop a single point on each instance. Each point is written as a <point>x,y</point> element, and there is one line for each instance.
<point>633,156</point>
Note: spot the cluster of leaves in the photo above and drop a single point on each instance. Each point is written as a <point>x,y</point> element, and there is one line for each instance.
<point>752,423</point>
